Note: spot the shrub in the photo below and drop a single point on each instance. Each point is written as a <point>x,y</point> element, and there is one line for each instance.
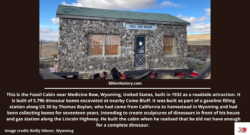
<point>54,54</point>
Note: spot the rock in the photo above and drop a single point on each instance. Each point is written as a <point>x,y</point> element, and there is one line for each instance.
<point>200,62</point>
<point>74,37</point>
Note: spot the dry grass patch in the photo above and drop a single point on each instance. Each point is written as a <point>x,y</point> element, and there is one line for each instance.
<point>54,54</point>
<point>197,37</point>
<point>49,50</point>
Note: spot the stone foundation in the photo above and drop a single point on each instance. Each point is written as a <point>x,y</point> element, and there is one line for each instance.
<point>109,76</point>
<point>83,75</point>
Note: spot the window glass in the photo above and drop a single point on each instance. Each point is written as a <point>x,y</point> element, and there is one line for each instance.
<point>167,50</point>
<point>95,44</point>
<point>95,50</point>
<point>96,39</point>
<point>168,45</point>
<point>111,45</point>
<point>111,40</point>
<point>140,45</point>
<point>168,41</point>
<point>111,49</point>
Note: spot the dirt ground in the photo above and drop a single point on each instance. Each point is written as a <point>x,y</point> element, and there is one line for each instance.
<point>46,63</point>
<point>199,66</point>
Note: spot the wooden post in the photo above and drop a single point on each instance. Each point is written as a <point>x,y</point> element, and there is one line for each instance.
<point>41,49</point>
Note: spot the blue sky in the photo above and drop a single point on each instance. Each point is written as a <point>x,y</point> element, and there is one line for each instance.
<point>197,12</point>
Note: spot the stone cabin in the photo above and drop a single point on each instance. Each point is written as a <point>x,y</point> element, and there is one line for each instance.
<point>96,40</point>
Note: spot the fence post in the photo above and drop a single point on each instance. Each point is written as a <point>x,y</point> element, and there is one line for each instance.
<point>41,49</point>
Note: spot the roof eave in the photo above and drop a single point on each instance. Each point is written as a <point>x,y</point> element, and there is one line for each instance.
<point>120,19</point>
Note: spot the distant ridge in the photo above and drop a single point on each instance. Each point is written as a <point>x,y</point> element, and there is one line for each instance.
<point>199,37</point>
<point>47,41</point>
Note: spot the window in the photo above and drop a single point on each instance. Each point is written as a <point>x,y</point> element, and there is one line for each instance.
<point>103,45</point>
<point>95,44</point>
<point>168,48</point>
<point>111,44</point>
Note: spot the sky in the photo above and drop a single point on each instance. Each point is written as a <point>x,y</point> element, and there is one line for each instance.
<point>197,12</point>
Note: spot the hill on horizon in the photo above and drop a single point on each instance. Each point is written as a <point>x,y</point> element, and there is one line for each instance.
<point>198,37</point>
<point>47,41</point>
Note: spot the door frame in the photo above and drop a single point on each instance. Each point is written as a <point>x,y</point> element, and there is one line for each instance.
<point>135,49</point>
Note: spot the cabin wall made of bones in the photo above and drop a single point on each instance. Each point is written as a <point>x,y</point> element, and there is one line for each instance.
<point>73,46</point>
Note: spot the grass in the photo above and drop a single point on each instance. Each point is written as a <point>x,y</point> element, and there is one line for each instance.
<point>196,37</point>
<point>49,50</point>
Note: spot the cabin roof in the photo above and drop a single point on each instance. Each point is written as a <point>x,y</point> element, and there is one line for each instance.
<point>117,14</point>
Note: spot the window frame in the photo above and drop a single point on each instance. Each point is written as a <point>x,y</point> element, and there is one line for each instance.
<point>103,45</point>
<point>95,45</point>
<point>173,46</point>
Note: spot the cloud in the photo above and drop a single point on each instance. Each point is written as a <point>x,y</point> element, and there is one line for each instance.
<point>193,19</point>
<point>197,24</point>
<point>208,11</point>
<point>123,4</point>
<point>73,4</point>
<point>200,27</point>
<point>64,3</point>
<point>49,34</point>
<point>46,26</point>
<point>170,4</point>
<point>116,4</point>
<point>55,20</point>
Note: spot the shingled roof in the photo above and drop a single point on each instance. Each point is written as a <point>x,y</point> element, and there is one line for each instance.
<point>104,13</point>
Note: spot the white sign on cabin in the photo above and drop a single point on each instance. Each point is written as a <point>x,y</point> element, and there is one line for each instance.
<point>140,27</point>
